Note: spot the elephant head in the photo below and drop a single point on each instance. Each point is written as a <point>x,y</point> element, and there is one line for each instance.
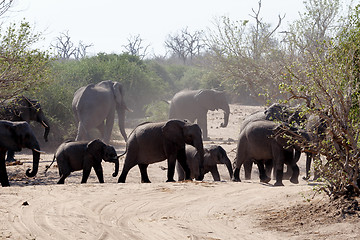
<point>28,110</point>
<point>100,150</point>
<point>17,135</point>
<point>120,107</point>
<point>218,155</point>
<point>181,133</point>
<point>214,100</point>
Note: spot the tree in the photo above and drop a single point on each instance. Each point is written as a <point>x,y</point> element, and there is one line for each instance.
<point>21,67</point>
<point>135,47</point>
<point>66,49</point>
<point>5,5</point>
<point>327,77</point>
<point>245,55</point>
<point>185,44</point>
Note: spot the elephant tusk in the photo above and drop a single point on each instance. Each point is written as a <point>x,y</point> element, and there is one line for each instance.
<point>36,150</point>
<point>44,124</point>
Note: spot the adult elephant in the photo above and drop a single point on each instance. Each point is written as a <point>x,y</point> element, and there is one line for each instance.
<point>213,155</point>
<point>259,141</point>
<point>154,142</point>
<point>194,105</point>
<point>15,136</point>
<point>277,113</point>
<point>22,108</point>
<point>94,107</point>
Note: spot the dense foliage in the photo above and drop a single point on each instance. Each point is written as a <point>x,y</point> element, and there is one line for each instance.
<point>22,69</point>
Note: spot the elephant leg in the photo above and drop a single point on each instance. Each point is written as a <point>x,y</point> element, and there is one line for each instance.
<point>186,172</point>
<point>262,174</point>
<point>290,158</point>
<point>10,156</point>
<point>62,178</point>
<point>82,133</point>
<point>101,129</point>
<point>269,165</point>
<point>308,166</point>
<point>171,168</point>
<point>180,171</point>
<point>202,122</point>
<point>99,172</point>
<point>215,173</point>
<point>247,169</point>
<point>3,174</point>
<point>295,173</point>
<point>279,167</point>
<point>236,176</point>
<point>109,126</point>
<point>144,175</point>
<point>85,176</point>
<point>128,164</point>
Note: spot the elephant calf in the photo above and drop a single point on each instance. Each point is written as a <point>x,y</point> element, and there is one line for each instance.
<point>213,155</point>
<point>74,156</point>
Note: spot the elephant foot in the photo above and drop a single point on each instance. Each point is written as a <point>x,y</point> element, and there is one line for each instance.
<point>278,184</point>
<point>294,180</point>
<point>170,180</point>
<point>306,177</point>
<point>265,180</point>
<point>236,180</point>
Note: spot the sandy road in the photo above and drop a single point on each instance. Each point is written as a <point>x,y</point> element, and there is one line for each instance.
<point>184,210</point>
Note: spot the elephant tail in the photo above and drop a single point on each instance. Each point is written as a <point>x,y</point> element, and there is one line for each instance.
<point>47,167</point>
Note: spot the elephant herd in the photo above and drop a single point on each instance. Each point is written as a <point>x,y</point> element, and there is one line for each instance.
<point>177,140</point>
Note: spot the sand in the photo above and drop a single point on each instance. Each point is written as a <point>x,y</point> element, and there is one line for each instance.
<point>38,208</point>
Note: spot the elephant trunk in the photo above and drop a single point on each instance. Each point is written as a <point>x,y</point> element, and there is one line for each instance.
<point>116,167</point>
<point>228,164</point>
<point>46,125</point>
<point>36,158</point>
<point>121,120</point>
<point>226,116</point>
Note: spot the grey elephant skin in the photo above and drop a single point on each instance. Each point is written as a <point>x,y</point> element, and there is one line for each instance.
<point>94,107</point>
<point>194,105</point>
<point>75,156</point>
<point>259,142</point>
<point>22,108</point>
<point>277,113</point>
<point>154,142</point>
<point>316,127</point>
<point>213,155</point>
<point>15,136</point>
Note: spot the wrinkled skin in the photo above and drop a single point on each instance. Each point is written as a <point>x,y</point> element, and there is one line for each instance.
<point>155,142</point>
<point>258,144</point>
<point>213,155</point>
<point>75,156</point>
<point>194,105</point>
<point>94,107</point>
<point>15,136</point>
<point>278,113</point>
<point>23,109</point>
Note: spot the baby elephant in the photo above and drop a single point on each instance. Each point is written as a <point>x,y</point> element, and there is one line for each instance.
<point>73,156</point>
<point>213,155</point>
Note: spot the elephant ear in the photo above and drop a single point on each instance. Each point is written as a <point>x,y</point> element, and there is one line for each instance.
<point>173,131</point>
<point>206,99</point>
<point>96,149</point>
<point>118,93</point>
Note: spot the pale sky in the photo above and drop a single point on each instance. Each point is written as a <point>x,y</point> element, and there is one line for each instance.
<point>107,24</point>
